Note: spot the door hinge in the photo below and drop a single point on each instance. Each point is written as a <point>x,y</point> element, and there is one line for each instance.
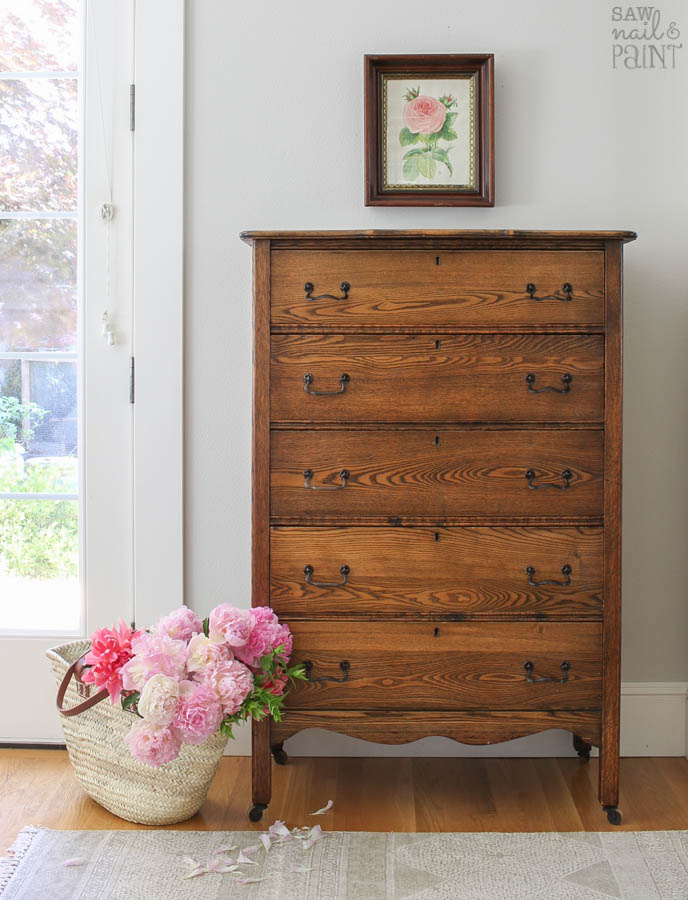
<point>132,380</point>
<point>132,107</point>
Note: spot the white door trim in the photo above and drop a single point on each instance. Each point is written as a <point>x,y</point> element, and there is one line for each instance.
<point>158,308</point>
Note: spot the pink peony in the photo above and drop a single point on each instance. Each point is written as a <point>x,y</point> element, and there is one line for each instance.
<point>202,653</point>
<point>229,625</point>
<point>425,115</point>
<point>198,715</point>
<point>267,634</point>
<point>110,650</point>
<point>231,682</point>
<point>180,625</point>
<point>159,698</point>
<point>154,654</point>
<point>153,744</point>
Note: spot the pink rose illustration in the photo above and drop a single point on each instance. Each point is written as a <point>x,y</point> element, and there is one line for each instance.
<point>424,115</point>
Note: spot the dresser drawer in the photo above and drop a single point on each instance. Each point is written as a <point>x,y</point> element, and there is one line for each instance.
<point>437,378</point>
<point>392,474</point>
<point>427,287</point>
<point>452,665</point>
<point>508,572</point>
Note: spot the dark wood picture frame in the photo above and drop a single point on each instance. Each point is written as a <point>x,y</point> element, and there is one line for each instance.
<point>481,65</point>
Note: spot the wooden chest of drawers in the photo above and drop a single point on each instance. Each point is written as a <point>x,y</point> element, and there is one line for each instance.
<point>437,484</point>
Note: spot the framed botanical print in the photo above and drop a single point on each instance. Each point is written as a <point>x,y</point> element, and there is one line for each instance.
<point>429,130</point>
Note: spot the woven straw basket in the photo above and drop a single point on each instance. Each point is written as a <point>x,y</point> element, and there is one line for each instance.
<point>108,772</point>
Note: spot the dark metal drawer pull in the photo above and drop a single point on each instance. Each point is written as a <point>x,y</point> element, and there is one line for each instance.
<point>308,474</point>
<point>567,475</point>
<point>344,379</point>
<point>565,666</point>
<point>344,287</point>
<point>530,381</point>
<point>566,288</point>
<point>565,570</point>
<point>343,665</point>
<point>343,571</point>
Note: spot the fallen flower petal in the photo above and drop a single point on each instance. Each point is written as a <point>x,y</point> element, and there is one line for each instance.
<point>190,862</point>
<point>278,829</point>
<point>74,861</point>
<point>251,849</point>
<point>201,870</point>
<point>227,848</point>
<point>224,869</point>
<point>243,881</point>
<point>244,860</point>
<point>301,870</point>
<point>323,810</point>
<point>315,834</point>
<point>265,841</point>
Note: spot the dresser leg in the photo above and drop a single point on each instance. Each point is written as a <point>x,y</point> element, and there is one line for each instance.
<point>582,747</point>
<point>261,768</point>
<point>609,774</point>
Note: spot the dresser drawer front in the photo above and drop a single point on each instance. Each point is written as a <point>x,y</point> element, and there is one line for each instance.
<point>464,666</point>
<point>436,572</point>
<point>467,287</point>
<point>444,473</point>
<point>437,378</point>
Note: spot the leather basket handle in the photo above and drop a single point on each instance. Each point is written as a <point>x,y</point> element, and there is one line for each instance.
<point>75,670</point>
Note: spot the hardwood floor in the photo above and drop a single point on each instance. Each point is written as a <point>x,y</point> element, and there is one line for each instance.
<point>37,787</point>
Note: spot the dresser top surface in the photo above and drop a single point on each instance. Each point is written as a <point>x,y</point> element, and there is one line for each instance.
<point>467,236</point>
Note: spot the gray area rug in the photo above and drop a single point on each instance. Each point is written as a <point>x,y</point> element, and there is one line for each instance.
<point>147,865</point>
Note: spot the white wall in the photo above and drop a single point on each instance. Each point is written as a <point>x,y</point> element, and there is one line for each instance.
<point>275,140</point>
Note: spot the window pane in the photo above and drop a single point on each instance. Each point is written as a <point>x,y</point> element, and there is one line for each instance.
<point>38,35</point>
<point>39,548</point>
<point>38,143</point>
<point>38,284</point>
<point>38,428</point>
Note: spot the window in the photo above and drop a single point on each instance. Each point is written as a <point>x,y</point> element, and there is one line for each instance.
<point>40,254</point>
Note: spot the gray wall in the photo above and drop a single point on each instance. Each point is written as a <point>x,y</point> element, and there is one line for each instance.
<point>274,140</point>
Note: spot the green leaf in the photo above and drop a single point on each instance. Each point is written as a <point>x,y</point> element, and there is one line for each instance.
<point>206,627</point>
<point>411,168</point>
<point>411,153</point>
<point>426,164</point>
<point>407,137</point>
<point>443,157</point>
<point>447,133</point>
<point>130,701</point>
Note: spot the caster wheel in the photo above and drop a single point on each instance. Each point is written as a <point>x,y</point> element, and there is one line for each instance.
<point>582,748</point>
<point>280,757</point>
<point>613,815</point>
<point>255,813</point>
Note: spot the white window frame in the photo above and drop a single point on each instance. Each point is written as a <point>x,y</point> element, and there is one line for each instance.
<point>132,556</point>
<point>159,308</point>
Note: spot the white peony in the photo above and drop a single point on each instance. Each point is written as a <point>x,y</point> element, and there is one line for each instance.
<point>202,652</point>
<point>159,699</point>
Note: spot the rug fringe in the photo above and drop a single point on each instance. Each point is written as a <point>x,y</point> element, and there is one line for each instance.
<point>18,851</point>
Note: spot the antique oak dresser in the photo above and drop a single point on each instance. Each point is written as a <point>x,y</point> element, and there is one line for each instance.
<point>437,484</point>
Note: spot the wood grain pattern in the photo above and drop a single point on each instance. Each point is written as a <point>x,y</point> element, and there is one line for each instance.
<point>454,665</point>
<point>373,794</point>
<point>609,752</point>
<point>436,572</point>
<point>437,378</point>
<point>467,726</point>
<point>437,333</point>
<point>407,472</point>
<point>441,237</point>
<point>260,481</point>
<point>410,288</point>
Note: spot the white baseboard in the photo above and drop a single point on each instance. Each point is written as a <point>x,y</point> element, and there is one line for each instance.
<point>654,722</point>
